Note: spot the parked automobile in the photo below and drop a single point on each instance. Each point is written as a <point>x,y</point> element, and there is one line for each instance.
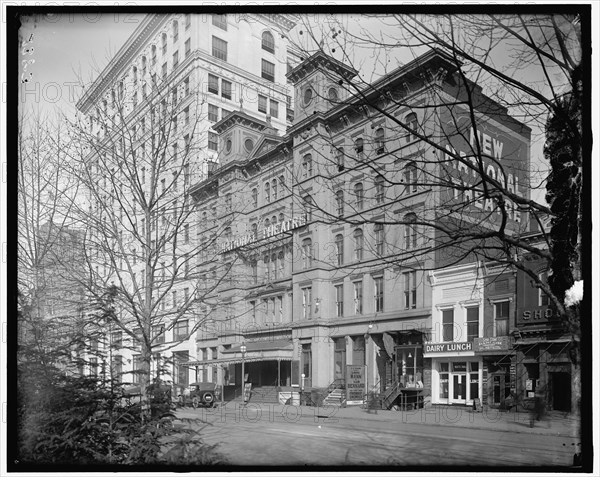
<point>199,394</point>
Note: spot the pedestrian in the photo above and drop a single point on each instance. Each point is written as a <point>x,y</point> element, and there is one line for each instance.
<point>539,409</point>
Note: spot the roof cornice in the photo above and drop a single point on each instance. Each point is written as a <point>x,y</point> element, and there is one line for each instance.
<point>138,39</point>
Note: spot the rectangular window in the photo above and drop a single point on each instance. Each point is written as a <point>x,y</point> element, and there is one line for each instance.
<point>274,109</point>
<point>220,21</point>
<point>472,323</point>
<point>378,294</point>
<point>262,104</point>
<point>117,339</point>
<point>175,59</point>
<point>180,331</point>
<point>226,89</point>
<point>158,334</point>
<point>410,290</point>
<point>444,369</point>
<point>306,303</point>
<point>501,311</point>
<point>188,20</point>
<point>164,71</point>
<point>213,84</point>
<point>448,325</point>
<point>213,141</point>
<point>267,70</point>
<point>306,362</point>
<point>358,297</point>
<point>339,300</point>
<point>213,113</point>
<point>219,48</point>
<point>186,116</point>
<point>186,86</point>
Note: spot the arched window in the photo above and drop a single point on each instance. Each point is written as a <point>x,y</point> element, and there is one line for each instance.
<point>267,268</point>
<point>274,187</point>
<point>412,123</point>
<point>255,230</point>
<point>273,220</point>
<point>339,249</point>
<point>379,189</point>
<point>307,253</point>
<point>267,192</point>
<point>307,166</point>
<point>280,257</point>
<point>153,55</point>
<point>339,201</point>
<point>281,185</point>
<point>274,266</point>
<point>143,66</point>
<point>267,223</point>
<point>134,74</point>
<point>308,206</point>
<point>359,147</point>
<point>255,197</point>
<point>281,218</point>
<point>410,231</point>
<point>358,244</point>
<point>358,196</point>
<point>380,141</point>
<point>409,177</point>
<point>333,94</point>
<point>268,42</point>
<point>339,158</point>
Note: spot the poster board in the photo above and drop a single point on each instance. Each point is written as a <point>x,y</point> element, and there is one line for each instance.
<point>356,384</point>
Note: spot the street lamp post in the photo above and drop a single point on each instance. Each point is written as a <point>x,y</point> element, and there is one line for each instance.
<point>243,350</point>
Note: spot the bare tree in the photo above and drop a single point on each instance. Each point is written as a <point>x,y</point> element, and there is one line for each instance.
<point>136,160</point>
<point>488,70</point>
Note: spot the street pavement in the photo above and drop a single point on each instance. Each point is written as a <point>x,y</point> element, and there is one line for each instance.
<point>271,434</point>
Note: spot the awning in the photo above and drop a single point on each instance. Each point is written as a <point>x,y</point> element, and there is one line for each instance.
<point>268,350</point>
<point>266,345</point>
<point>237,359</point>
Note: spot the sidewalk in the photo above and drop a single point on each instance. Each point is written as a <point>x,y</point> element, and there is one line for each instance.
<point>555,424</point>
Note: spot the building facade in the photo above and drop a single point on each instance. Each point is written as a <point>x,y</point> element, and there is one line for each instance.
<point>325,243</point>
<point>147,122</point>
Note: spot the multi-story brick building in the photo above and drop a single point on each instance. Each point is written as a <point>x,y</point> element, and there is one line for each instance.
<point>327,227</point>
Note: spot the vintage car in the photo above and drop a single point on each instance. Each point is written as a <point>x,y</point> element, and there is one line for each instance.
<point>200,394</point>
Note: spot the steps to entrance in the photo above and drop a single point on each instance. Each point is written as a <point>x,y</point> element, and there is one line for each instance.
<point>267,394</point>
<point>335,398</point>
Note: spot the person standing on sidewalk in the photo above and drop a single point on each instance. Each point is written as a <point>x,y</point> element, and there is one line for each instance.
<point>538,412</point>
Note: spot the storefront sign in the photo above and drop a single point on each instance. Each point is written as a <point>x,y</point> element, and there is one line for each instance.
<point>267,232</point>
<point>448,347</point>
<point>356,382</point>
<point>498,343</point>
<point>538,315</point>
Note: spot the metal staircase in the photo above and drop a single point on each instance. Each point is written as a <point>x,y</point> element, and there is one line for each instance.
<point>390,395</point>
<point>336,393</point>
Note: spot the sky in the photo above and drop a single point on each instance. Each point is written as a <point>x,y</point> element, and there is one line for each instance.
<point>67,46</point>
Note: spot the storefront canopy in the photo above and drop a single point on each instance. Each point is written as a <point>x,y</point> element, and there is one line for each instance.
<point>268,350</point>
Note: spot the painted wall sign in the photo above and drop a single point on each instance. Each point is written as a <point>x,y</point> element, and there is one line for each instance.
<point>356,382</point>
<point>448,347</point>
<point>267,232</point>
<point>498,343</point>
<point>502,155</point>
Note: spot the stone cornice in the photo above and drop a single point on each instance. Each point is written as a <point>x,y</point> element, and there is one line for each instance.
<point>138,39</point>
<point>320,61</point>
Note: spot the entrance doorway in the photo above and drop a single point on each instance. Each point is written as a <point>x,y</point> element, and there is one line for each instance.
<point>501,388</point>
<point>560,391</point>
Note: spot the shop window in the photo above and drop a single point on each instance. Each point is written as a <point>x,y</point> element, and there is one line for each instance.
<point>410,365</point>
<point>444,380</point>
<point>307,364</point>
<point>474,380</point>
<point>472,323</point>
<point>501,312</point>
<point>447,325</point>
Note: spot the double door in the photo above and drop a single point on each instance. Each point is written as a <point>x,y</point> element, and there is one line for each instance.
<point>458,382</point>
